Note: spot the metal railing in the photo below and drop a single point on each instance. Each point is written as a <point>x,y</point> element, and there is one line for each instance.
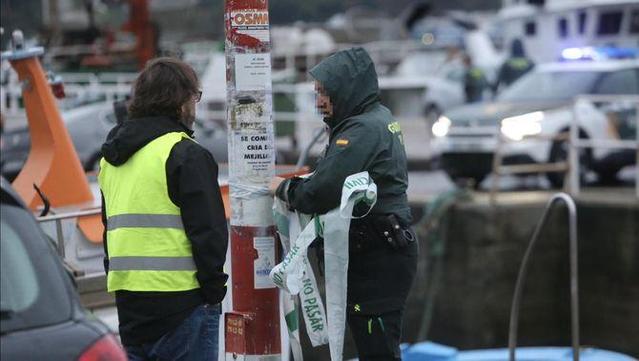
<point>58,218</point>
<point>574,276</point>
<point>384,53</point>
<point>499,169</point>
<point>91,286</point>
<point>87,86</point>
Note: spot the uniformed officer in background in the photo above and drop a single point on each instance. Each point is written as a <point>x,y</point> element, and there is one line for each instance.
<point>382,247</point>
<point>475,82</point>
<point>514,67</point>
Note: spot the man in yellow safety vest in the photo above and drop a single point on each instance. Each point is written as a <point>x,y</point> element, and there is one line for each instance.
<point>165,231</point>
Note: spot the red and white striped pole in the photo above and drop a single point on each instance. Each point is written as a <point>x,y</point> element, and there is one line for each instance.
<point>252,329</point>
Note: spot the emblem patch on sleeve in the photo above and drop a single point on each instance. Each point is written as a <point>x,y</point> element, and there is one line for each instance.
<point>341,142</point>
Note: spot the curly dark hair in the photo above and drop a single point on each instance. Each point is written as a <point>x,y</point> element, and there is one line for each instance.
<point>162,88</point>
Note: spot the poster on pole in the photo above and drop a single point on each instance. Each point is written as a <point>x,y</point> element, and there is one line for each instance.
<point>265,247</point>
<point>254,155</point>
<point>251,22</point>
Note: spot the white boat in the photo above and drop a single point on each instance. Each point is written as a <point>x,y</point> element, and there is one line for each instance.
<point>549,27</point>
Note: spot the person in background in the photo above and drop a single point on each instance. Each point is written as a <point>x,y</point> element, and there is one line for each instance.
<point>475,82</point>
<point>514,67</point>
<point>165,230</point>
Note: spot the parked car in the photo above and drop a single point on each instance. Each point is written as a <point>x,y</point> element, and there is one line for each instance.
<point>439,74</point>
<point>88,126</point>
<point>40,314</point>
<point>542,102</point>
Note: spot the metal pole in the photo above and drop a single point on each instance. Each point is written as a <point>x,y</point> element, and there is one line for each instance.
<point>637,151</point>
<point>252,329</point>
<point>77,214</point>
<point>497,160</point>
<point>60,236</point>
<point>54,22</point>
<point>573,153</point>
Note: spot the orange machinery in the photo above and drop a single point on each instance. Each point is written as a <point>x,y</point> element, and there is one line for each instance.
<point>52,164</point>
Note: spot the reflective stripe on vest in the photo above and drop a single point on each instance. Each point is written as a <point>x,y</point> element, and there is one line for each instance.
<point>151,264</point>
<point>144,221</point>
<point>148,248</point>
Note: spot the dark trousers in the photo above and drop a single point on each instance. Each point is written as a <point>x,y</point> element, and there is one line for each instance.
<point>377,336</point>
<point>196,339</point>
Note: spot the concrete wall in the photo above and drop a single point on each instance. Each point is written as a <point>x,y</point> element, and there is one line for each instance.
<point>484,248</point>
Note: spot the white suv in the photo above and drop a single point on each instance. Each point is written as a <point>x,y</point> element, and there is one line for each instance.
<point>541,102</point>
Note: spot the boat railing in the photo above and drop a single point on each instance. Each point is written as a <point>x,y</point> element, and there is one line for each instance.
<point>105,87</point>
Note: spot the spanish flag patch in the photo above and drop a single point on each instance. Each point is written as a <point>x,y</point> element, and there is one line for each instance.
<point>341,142</point>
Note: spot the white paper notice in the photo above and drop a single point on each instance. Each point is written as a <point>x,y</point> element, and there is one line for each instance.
<point>252,72</point>
<point>265,247</point>
<point>253,155</point>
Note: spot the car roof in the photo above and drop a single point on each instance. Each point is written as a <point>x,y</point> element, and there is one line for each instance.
<point>589,65</point>
<point>9,195</point>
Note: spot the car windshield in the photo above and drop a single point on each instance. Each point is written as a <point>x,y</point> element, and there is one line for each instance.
<point>33,290</point>
<point>550,86</point>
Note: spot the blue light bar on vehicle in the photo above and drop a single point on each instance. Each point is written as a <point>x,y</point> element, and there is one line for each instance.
<point>599,53</point>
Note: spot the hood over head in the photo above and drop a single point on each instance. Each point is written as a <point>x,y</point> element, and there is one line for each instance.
<point>350,81</point>
<point>130,136</point>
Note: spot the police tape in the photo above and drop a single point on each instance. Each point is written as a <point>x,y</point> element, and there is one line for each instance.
<point>295,275</point>
<point>290,306</point>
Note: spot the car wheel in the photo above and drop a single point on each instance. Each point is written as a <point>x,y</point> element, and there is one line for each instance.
<point>559,153</point>
<point>608,166</point>
<point>608,178</point>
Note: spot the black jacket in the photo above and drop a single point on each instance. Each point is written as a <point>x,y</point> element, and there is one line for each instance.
<point>191,174</point>
<point>364,137</point>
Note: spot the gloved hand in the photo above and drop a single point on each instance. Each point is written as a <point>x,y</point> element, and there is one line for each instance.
<point>281,191</point>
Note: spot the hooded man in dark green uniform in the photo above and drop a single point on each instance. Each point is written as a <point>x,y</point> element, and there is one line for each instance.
<point>382,248</point>
<point>514,67</point>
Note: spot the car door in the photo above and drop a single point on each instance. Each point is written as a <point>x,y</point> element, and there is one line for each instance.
<point>618,113</point>
<point>40,314</point>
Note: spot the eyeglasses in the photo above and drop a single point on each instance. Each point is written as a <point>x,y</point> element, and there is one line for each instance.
<point>198,96</point>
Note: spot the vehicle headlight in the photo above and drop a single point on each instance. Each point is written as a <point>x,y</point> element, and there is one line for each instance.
<point>441,127</point>
<point>516,128</point>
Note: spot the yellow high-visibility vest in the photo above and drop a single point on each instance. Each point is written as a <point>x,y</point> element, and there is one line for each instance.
<point>148,248</point>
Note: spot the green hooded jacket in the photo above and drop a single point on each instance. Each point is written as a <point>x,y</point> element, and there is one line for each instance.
<point>363,137</point>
